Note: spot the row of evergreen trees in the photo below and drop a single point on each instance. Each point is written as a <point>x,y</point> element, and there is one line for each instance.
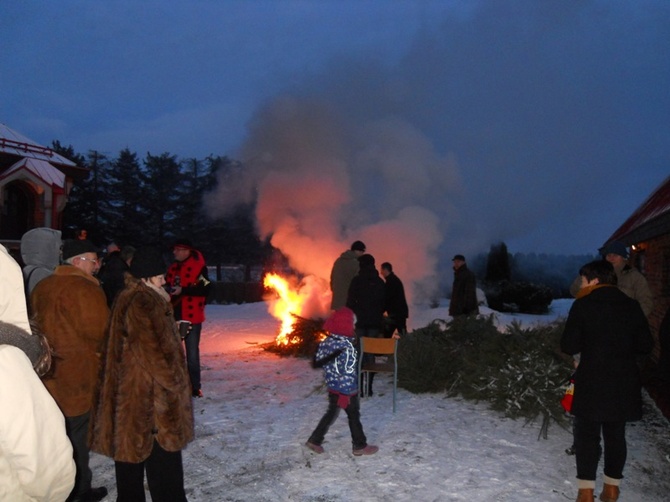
<point>156,200</point>
<point>550,271</point>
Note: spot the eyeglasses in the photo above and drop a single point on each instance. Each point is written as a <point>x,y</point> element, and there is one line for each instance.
<point>92,260</point>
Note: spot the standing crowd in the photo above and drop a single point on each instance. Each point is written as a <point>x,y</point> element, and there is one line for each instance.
<point>104,354</point>
<point>90,350</point>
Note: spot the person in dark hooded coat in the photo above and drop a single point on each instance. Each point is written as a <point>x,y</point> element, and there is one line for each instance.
<point>40,252</point>
<point>366,297</point>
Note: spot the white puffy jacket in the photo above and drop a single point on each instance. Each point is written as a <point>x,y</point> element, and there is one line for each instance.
<point>36,461</point>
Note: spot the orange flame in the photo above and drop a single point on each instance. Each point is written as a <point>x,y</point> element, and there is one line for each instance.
<point>287,304</point>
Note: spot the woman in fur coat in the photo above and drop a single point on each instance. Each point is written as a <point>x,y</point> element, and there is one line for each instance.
<point>143,416</point>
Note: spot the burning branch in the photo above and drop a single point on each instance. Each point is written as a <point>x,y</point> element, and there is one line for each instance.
<point>298,336</point>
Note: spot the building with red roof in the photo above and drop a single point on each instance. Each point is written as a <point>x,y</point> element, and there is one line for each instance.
<point>34,185</point>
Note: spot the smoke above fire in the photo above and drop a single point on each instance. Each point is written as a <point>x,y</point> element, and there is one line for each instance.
<point>322,181</point>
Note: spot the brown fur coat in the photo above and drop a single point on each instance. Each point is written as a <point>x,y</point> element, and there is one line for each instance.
<point>144,392</point>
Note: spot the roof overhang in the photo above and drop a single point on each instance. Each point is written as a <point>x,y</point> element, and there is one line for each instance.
<point>39,171</point>
<point>648,221</point>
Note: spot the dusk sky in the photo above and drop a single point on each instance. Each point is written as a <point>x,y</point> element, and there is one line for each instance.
<point>545,123</point>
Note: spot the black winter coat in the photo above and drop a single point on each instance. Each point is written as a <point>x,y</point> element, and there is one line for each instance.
<point>395,303</point>
<point>609,329</point>
<point>366,298</point>
<point>464,293</point>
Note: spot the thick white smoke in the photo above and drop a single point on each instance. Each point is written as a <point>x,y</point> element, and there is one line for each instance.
<point>322,182</point>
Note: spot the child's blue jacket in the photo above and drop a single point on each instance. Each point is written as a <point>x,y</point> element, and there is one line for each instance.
<point>341,372</point>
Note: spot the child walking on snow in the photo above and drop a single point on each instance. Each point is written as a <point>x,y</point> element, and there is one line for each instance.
<point>338,357</point>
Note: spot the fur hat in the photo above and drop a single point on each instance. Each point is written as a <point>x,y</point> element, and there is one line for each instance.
<point>147,262</point>
<point>341,322</point>
<point>615,247</point>
<point>75,247</point>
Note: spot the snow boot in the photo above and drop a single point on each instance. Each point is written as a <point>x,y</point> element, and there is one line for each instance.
<point>610,493</point>
<point>316,448</point>
<point>585,495</point>
<point>367,450</point>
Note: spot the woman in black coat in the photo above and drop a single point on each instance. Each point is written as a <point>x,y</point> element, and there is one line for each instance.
<point>609,329</point>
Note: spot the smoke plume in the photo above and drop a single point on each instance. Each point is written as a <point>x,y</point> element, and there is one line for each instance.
<point>322,181</point>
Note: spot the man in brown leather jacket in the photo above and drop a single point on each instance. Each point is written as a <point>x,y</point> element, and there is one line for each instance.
<point>71,309</point>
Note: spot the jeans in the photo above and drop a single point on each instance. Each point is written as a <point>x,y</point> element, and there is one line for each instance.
<point>587,444</point>
<point>353,411</point>
<point>77,430</point>
<point>165,477</point>
<point>192,345</point>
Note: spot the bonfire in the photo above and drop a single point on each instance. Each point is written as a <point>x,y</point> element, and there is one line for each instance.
<point>298,335</point>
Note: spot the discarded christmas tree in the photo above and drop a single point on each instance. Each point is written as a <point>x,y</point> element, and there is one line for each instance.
<point>520,372</point>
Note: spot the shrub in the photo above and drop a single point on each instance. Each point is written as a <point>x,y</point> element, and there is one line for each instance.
<point>523,297</point>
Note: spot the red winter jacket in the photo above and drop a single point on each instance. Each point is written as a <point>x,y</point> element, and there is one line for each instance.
<point>194,281</point>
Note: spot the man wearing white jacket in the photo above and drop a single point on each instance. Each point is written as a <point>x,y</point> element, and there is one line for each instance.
<point>36,462</point>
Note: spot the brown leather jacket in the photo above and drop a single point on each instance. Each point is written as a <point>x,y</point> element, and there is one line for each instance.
<point>71,310</point>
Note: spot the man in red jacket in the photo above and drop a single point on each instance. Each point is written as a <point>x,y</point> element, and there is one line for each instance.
<point>189,286</point>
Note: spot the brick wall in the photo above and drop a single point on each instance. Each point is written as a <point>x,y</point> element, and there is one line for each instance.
<point>657,272</point>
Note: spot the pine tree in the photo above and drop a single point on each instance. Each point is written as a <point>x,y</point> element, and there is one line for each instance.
<point>124,200</point>
<point>85,207</point>
<point>498,267</point>
<point>162,200</point>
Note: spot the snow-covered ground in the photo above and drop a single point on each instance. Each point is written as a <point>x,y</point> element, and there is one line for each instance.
<point>260,408</point>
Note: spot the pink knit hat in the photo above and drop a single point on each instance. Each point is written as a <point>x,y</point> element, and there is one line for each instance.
<point>341,322</point>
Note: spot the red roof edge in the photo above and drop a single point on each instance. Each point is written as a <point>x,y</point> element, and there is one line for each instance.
<point>657,204</point>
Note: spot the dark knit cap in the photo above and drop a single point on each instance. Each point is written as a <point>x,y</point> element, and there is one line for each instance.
<point>458,257</point>
<point>358,246</point>
<point>75,247</point>
<point>183,243</point>
<point>615,247</point>
<point>366,261</point>
<point>147,262</point>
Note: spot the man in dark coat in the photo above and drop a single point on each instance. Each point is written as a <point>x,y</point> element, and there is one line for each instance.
<point>609,329</point>
<point>395,303</point>
<point>464,290</point>
<point>366,299</point>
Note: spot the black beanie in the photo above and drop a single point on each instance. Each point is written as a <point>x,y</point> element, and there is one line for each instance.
<point>75,247</point>
<point>358,246</point>
<point>147,262</point>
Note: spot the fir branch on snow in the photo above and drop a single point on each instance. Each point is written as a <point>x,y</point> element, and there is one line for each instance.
<point>519,372</point>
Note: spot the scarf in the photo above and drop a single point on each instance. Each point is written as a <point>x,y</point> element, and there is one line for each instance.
<point>161,292</point>
<point>590,289</point>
